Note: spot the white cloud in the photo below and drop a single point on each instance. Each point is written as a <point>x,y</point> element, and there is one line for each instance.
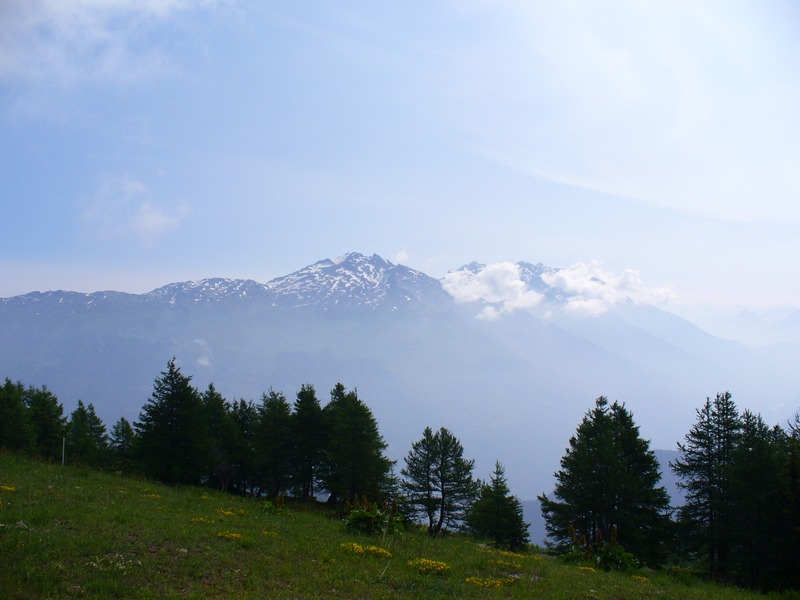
<point>68,42</point>
<point>593,291</point>
<point>400,257</point>
<point>122,207</point>
<point>499,284</point>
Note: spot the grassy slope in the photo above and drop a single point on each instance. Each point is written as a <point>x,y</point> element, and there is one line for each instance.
<point>71,532</point>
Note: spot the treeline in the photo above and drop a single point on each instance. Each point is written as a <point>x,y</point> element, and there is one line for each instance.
<point>184,436</point>
<point>269,449</point>
<point>740,522</point>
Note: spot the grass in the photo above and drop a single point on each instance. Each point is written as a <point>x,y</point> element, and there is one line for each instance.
<point>72,532</point>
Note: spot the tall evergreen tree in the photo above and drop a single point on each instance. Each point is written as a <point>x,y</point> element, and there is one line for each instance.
<point>273,443</point>
<point>244,477</point>
<point>704,467</point>
<point>307,440</point>
<point>789,541</point>
<point>172,432</point>
<point>15,428</point>
<point>757,502</point>
<point>607,487</point>
<point>354,463</point>
<point>86,438</point>
<point>46,416</point>
<point>438,480</point>
<point>121,445</point>
<point>222,437</point>
<point>497,515</point>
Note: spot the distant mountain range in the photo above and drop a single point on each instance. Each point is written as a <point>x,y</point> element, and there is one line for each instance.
<point>497,356</point>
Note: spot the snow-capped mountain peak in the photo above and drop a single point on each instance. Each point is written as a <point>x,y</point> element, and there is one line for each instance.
<point>353,280</point>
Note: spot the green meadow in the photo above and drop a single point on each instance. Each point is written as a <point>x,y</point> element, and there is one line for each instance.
<point>69,532</point>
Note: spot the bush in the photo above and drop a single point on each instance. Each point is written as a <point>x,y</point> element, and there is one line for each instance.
<point>364,517</point>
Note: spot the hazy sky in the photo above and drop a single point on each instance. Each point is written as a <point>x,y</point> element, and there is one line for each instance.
<point>144,142</point>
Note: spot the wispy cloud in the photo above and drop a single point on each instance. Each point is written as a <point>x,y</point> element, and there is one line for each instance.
<point>686,107</point>
<point>499,284</point>
<point>70,42</point>
<point>400,257</point>
<point>122,207</point>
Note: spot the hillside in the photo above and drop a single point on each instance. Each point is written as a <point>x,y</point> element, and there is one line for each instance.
<point>76,533</point>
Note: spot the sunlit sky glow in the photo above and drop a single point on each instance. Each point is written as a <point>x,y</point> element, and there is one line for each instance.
<point>150,141</point>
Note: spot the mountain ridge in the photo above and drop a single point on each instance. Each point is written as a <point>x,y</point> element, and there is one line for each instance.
<point>513,388</point>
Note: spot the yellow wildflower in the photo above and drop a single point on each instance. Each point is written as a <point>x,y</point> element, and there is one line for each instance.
<point>425,565</point>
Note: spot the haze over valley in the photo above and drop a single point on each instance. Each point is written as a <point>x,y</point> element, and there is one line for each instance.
<point>507,356</point>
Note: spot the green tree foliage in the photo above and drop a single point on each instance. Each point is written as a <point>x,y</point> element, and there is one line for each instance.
<point>274,443</point>
<point>86,438</point>
<point>222,437</point>
<point>607,487</point>
<point>497,515</point>
<point>704,467</point>
<point>121,445</point>
<point>46,416</point>
<point>172,434</point>
<point>244,479</point>
<point>438,480</point>
<point>307,436</point>
<point>354,463</point>
<point>756,504</point>
<point>15,428</point>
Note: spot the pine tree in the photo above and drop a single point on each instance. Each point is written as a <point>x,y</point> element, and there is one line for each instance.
<point>705,470</point>
<point>244,479</point>
<point>307,440</point>
<point>354,463</point>
<point>121,445</point>
<point>607,487</point>
<point>497,515</point>
<point>86,438</point>
<point>273,443</point>
<point>15,428</point>
<point>757,502</point>
<point>222,434</point>
<point>46,416</point>
<point>172,433</point>
<point>438,480</point>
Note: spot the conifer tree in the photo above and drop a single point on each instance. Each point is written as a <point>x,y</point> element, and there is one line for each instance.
<point>438,480</point>
<point>757,502</point>
<point>121,445</point>
<point>607,487</point>
<point>46,416</point>
<point>704,467</point>
<point>86,438</point>
<point>244,477</point>
<point>222,433</point>
<point>172,433</point>
<point>354,463</point>
<point>497,515</point>
<point>307,441</point>
<point>15,428</point>
<point>273,443</point>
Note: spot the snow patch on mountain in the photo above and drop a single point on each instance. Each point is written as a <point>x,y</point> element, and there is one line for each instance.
<point>353,280</point>
<point>206,290</point>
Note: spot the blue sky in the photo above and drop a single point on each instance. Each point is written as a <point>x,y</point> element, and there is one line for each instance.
<point>144,142</point>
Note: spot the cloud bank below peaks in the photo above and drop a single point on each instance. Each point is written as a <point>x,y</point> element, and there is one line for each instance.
<point>581,289</point>
<point>499,284</point>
